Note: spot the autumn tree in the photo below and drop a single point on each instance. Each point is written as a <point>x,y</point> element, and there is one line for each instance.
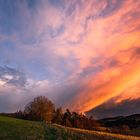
<point>40,109</point>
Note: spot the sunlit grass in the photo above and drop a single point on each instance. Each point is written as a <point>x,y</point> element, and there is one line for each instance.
<point>82,134</point>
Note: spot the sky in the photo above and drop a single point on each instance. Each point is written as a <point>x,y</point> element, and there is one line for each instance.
<point>81,54</point>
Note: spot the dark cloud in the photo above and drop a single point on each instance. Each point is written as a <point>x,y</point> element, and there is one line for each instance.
<point>137,51</point>
<point>66,93</point>
<point>55,32</point>
<point>73,7</point>
<point>111,7</point>
<point>111,109</point>
<point>131,53</point>
<point>58,3</point>
<point>91,70</point>
<point>113,63</point>
<point>13,76</point>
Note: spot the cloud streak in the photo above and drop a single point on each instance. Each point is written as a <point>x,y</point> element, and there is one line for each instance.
<point>80,54</point>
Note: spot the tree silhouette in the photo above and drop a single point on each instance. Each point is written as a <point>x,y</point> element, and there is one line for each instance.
<point>58,116</point>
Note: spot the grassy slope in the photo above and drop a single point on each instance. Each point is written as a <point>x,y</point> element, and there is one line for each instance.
<point>15,129</point>
<point>66,133</point>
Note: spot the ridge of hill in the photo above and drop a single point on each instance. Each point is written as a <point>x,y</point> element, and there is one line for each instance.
<point>133,121</point>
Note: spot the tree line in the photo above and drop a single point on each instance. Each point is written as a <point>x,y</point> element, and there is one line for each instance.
<point>42,109</point>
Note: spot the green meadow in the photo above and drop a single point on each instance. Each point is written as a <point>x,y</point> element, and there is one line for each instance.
<point>16,129</point>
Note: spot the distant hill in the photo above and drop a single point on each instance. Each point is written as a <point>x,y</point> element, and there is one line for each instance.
<point>112,109</point>
<point>133,121</point>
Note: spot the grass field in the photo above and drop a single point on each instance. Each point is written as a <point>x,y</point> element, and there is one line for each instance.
<point>16,129</point>
<point>66,133</point>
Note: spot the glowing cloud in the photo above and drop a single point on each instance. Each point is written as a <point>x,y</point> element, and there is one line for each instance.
<point>78,53</point>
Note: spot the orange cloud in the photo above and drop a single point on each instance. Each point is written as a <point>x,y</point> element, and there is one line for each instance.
<point>108,86</point>
<point>114,37</point>
<point>94,44</point>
